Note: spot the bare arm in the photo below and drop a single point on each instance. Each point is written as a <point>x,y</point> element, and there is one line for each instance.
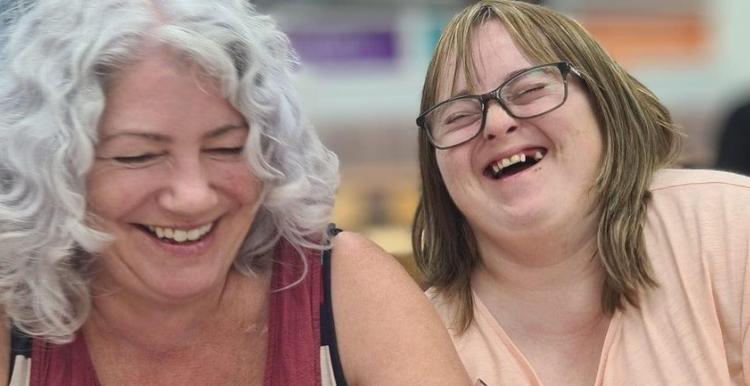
<point>387,332</point>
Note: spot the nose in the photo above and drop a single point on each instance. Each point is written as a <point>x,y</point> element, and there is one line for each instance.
<point>189,190</point>
<point>497,121</point>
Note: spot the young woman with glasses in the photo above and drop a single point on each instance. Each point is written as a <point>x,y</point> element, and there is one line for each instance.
<point>558,247</point>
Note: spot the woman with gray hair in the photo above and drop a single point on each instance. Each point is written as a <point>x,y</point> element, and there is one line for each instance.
<point>164,208</point>
<point>559,248</point>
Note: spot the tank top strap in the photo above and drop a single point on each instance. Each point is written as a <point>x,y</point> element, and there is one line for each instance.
<point>62,365</point>
<point>293,356</point>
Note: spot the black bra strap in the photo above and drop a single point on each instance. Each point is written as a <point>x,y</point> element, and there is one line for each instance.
<point>327,325</point>
<point>20,344</point>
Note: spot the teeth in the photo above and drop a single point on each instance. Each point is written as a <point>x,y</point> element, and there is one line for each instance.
<point>193,234</point>
<point>180,235</point>
<point>498,166</point>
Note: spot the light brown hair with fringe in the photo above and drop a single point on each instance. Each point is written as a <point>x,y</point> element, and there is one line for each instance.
<point>638,137</point>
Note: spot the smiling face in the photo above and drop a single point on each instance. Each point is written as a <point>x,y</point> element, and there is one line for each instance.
<point>521,204</point>
<point>170,181</point>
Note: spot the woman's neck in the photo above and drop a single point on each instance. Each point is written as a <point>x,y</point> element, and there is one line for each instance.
<point>548,285</point>
<point>210,343</point>
<point>239,305</point>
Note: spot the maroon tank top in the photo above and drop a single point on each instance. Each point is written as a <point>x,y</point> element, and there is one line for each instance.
<point>293,343</point>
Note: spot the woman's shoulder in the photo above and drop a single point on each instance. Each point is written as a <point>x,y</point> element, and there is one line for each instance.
<point>387,332</point>
<point>346,242</point>
<point>355,255</point>
<point>696,227</point>
<point>707,207</point>
<point>697,236</point>
<point>705,198</point>
<point>695,180</point>
<point>360,264</point>
<point>703,201</point>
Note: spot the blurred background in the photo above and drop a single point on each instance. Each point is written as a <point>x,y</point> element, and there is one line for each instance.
<point>363,64</point>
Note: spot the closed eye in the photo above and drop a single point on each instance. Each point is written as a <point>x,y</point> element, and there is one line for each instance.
<point>226,151</point>
<point>453,118</point>
<point>530,94</point>
<point>530,90</point>
<point>136,159</point>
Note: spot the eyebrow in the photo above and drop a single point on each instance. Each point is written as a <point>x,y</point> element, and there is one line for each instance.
<point>465,92</point>
<point>221,130</point>
<point>217,132</point>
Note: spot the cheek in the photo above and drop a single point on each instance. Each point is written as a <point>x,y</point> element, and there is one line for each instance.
<point>587,139</point>
<point>454,166</point>
<point>586,134</point>
<point>444,168</point>
<point>240,184</point>
<point>110,194</point>
<point>455,173</point>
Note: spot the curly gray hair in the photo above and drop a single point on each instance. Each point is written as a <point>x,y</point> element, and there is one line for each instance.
<point>57,58</point>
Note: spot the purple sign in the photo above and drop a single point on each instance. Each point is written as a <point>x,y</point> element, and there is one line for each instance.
<point>328,47</point>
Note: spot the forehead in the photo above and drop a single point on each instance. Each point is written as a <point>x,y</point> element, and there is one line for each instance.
<point>157,64</point>
<point>163,92</point>
<point>493,56</point>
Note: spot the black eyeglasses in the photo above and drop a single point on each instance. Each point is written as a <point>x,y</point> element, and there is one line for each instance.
<point>528,94</point>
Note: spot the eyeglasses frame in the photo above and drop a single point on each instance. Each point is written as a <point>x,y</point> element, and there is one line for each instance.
<point>565,69</point>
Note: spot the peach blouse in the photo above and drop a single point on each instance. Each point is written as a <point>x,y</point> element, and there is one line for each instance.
<point>693,329</point>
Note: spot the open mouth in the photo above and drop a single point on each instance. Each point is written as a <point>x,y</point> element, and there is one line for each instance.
<point>514,164</point>
<point>178,236</point>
